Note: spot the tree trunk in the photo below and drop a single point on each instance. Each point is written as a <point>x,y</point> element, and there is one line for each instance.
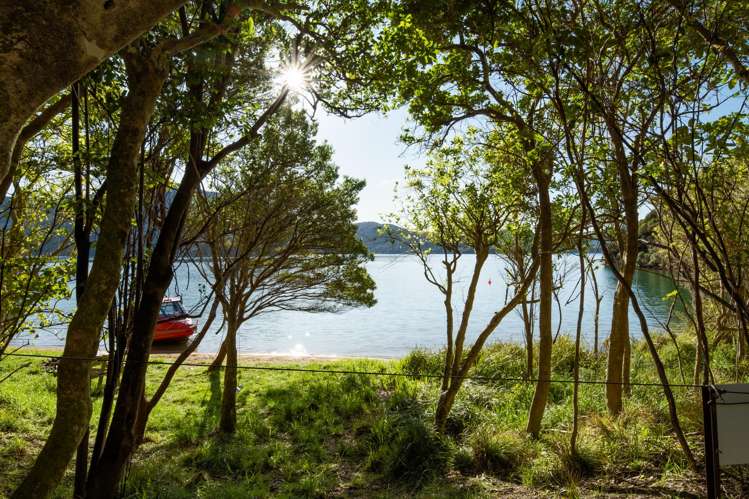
<point>82,340</point>
<point>626,365</point>
<point>445,404</point>
<point>618,359</point>
<point>697,364</point>
<point>578,334</point>
<point>482,253</point>
<point>228,421</point>
<point>46,46</point>
<point>219,360</point>
<point>114,365</point>
<point>703,347</point>
<point>597,310</point>
<point>450,321</point>
<point>617,374</point>
<point>82,246</point>
<point>528,329</point>
<point>596,319</point>
<point>538,406</point>
<point>121,440</point>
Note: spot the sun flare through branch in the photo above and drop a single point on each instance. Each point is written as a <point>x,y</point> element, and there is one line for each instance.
<point>294,77</point>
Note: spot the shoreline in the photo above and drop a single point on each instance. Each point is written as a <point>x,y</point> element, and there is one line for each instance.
<point>207,357</point>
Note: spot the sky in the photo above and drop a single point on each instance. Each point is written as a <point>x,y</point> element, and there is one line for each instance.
<point>368,148</point>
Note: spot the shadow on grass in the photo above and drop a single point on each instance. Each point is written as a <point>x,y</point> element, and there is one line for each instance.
<point>648,490</point>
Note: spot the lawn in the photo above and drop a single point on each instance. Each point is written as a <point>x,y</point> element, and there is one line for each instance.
<point>322,435</point>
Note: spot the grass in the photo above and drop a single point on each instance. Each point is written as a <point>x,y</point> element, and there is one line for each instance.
<point>323,435</point>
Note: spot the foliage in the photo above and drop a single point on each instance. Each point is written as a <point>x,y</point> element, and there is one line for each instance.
<point>279,231</point>
<point>34,250</point>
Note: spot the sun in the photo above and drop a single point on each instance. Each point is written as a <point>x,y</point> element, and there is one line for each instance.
<point>293,77</point>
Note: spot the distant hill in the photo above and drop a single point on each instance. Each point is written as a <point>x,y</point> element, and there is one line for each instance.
<point>369,234</point>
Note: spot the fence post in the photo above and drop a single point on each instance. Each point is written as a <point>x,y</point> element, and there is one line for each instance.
<point>712,462</point>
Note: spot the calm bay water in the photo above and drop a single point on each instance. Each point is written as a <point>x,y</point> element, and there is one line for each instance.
<point>409,312</point>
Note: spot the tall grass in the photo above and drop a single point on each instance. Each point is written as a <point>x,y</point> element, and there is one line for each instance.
<point>322,435</point>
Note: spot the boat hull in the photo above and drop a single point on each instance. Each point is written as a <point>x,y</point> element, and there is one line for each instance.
<point>173,330</point>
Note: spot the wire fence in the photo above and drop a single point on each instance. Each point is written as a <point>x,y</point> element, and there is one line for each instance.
<point>496,379</point>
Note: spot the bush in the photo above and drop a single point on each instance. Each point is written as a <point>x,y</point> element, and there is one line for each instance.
<point>501,360</point>
<point>463,460</point>
<point>422,361</point>
<point>498,453</point>
<point>406,448</point>
<point>563,356</point>
<point>463,415</point>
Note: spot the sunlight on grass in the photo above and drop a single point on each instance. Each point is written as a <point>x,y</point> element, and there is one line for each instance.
<point>320,435</point>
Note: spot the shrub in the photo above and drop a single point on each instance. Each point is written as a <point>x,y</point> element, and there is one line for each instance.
<point>463,460</point>
<point>406,448</point>
<point>497,453</point>
<point>422,361</point>
<point>501,360</point>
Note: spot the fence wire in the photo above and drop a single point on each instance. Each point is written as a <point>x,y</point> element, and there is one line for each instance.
<point>508,379</point>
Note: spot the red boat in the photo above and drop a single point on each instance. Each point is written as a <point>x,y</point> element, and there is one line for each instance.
<point>174,323</point>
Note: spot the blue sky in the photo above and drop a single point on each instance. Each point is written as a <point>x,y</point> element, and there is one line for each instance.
<point>368,148</point>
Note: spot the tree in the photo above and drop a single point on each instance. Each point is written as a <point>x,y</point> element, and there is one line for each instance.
<point>457,63</point>
<point>34,270</point>
<point>515,248</point>
<point>466,199</point>
<point>215,134</point>
<point>574,120</point>
<point>147,69</point>
<point>621,111</point>
<point>287,242</point>
<point>47,47</point>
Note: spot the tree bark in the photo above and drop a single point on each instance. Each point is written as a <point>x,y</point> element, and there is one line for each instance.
<point>541,394</point>
<point>46,46</point>
<point>220,356</point>
<point>703,345</point>
<point>597,312</point>
<point>82,246</point>
<point>450,322</point>
<point>618,340</point>
<point>578,334</point>
<point>73,399</point>
<point>228,421</point>
<point>617,374</point>
<point>121,440</point>
<point>481,255</point>
<point>528,331</point>
<point>114,365</point>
